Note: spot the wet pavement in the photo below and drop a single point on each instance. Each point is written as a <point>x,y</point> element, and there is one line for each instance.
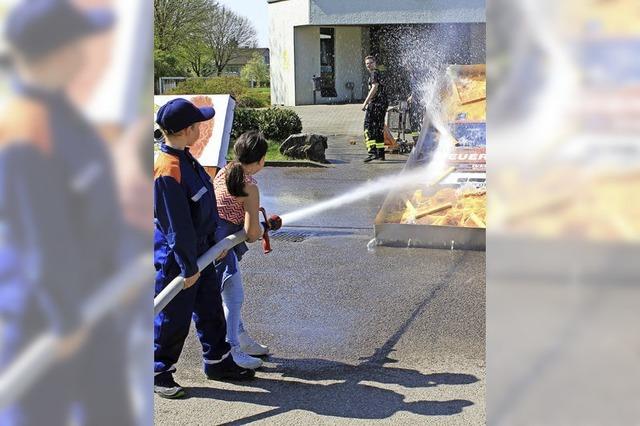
<point>357,335</point>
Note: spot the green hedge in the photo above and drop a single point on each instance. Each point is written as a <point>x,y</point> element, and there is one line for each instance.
<point>211,86</point>
<point>251,100</point>
<point>263,94</point>
<point>275,123</point>
<point>244,119</point>
<point>234,86</point>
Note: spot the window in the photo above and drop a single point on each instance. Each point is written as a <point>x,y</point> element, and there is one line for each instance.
<point>327,63</point>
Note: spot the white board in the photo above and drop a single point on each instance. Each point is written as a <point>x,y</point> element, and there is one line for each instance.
<point>211,149</point>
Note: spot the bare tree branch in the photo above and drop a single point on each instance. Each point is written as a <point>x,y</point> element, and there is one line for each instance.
<point>175,21</point>
<point>227,33</point>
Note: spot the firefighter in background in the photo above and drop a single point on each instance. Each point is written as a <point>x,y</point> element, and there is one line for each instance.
<point>186,217</point>
<point>375,106</point>
<point>62,225</point>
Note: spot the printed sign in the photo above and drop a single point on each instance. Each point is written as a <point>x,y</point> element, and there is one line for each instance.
<point>211,148</point>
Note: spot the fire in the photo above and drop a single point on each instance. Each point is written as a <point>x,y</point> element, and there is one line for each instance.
<point>448,207</point>
<point>569,203</point>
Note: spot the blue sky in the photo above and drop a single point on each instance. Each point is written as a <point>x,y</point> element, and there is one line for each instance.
<point>256,12</point>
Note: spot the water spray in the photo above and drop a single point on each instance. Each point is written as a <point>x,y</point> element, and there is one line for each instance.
<point>429,173</point>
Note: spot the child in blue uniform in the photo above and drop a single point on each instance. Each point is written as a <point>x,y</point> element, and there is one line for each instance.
<point>61,226</point>
<point>185,217</point>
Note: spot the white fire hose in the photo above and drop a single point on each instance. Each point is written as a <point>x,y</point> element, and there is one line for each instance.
<point>177,285</point>
<point>39,356</point>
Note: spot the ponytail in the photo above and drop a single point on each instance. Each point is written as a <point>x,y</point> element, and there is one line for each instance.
<point>249,148</point>
<point>235,180</point>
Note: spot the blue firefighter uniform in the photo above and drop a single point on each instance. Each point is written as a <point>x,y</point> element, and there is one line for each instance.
<point>60,244</point>
<point>186,217</point>
<point>60,229</point>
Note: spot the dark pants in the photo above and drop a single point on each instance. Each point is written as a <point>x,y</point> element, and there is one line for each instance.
<point>374,126</point>
<point>171,326</point>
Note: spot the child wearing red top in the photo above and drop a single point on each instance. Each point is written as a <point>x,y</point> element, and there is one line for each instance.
<point>238,201</point>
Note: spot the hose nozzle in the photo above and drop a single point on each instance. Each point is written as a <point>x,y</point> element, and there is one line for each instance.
<point>273,223</point>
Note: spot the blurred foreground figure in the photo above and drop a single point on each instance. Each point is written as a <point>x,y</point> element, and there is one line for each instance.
<point>61,225</point>
<point>562,249</point>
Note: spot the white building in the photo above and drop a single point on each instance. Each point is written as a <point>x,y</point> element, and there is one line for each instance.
<point>330,38</point>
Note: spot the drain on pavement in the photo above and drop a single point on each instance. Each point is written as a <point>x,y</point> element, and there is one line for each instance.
<point>291,236</point>
<point>297,236</point>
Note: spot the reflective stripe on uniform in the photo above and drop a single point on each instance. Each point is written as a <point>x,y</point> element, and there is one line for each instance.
<point>199,194</point>
<point>369,143</point>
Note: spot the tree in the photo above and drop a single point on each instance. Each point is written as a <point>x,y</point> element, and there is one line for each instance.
<point>226,33</point>
<point>175,21</point>
<point>198,57</point>
<point>167,64</point>
<point>178,26</point>
<point>256,70</point>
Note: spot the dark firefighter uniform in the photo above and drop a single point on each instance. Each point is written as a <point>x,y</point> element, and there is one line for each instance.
<point>374,118</point>
<point>186,217</point>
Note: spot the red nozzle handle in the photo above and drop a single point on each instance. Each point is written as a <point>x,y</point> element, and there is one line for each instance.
<point>266,243</point>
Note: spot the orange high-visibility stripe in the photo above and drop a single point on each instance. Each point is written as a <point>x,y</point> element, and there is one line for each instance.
<point>25,121</point>
<point>167,165</point>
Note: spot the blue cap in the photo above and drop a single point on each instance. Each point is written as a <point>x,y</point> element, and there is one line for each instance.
<point>37,27</point>
<point>179,113</point>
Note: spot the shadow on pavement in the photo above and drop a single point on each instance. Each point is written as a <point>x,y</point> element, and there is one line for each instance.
<point>349,398</point>
<point>388,162</point>
<point>321,369</point>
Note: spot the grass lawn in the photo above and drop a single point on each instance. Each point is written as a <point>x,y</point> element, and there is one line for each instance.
<point>262,93</point>
<point>260,90</point>
<point>273,153</point>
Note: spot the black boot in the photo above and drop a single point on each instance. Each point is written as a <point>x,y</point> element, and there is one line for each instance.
<point>166,387</point>
<point>381,154</point>
<point>227,369</point>
<point>373,155</point>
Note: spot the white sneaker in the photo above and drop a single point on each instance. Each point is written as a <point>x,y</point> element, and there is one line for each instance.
<point>244,360</point>
<point>250,346</point>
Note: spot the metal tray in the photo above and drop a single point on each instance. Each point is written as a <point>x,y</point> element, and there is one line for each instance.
<point>393,234</point>
<point>430,236</point>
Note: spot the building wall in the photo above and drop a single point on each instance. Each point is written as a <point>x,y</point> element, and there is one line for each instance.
<point>370,12</point>
<point>294,39</point>
<point>349,63</point>
<point>283,17</point>
<point>307,62</point>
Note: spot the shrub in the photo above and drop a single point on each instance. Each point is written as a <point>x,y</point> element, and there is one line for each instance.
<point>275,123</point>
<point>279,123</point>
<point>211,86</point>
<point>244,119</point>
<point>263,95</point>
<point>251,100</point>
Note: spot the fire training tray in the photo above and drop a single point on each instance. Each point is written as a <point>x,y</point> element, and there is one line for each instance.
<point>390,233</point>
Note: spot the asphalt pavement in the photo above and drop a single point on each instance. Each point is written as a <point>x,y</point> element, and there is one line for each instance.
<point>391,335</point>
